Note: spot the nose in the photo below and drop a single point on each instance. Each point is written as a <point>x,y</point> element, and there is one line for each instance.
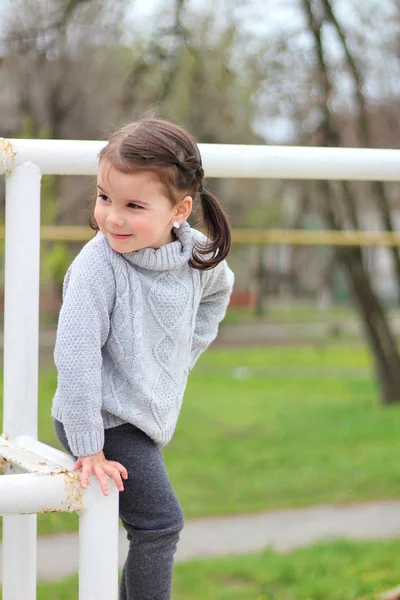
<point>115,218</point>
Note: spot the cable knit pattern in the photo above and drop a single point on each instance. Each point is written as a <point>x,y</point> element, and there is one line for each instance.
<point>130,329</point>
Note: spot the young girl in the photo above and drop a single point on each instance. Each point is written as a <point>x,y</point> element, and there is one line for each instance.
<point>141,302</point>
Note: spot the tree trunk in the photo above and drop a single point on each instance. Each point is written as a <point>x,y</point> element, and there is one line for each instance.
<point>378,187</point>
<point>382,342</point>
<point>377,330</point>
<point>380,338</point>
<point>261,283</point>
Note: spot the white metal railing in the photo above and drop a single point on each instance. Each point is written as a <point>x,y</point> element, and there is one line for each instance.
<point>41,480</point>
<point>78,157</point>
<point>38,478</point>
<point>41,477</point>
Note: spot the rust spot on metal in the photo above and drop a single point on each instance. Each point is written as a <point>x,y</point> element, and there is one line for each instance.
<point>3,465</point>
<point>42,512</point>
<point>47,473</point>
<point>7,158</point>
<point>75,493</point>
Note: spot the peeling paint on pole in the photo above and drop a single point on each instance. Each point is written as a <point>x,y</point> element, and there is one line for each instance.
<point>29,493</point>
<point>15,459</point>
<point>74,491</point>
<point>7,157</point>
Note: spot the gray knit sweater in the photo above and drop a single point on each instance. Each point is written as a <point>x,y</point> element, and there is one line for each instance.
<point>130,328</point>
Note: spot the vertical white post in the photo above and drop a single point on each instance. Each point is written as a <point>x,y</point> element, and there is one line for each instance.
<point>19,557</point>
<point>98,544</point>
<point>21,335</point>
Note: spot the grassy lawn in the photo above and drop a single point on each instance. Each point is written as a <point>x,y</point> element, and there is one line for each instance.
<point>337,570</point>
<point>297,314</point>
<point>273,428</point>
<point>289,314</point>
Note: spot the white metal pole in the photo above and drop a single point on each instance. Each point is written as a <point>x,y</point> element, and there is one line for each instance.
<point>98,544</point>
<point>21,301</point>
<point>21,333</point>
<point>35,493</point>
<point>19,577</point>
<point>48,452</point>
<point>78,157</point>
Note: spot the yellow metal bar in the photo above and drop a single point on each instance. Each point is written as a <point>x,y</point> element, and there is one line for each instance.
<point>66,233</point>
<point>61,233</point>
<point>300,237</point>
<point>295,237</point>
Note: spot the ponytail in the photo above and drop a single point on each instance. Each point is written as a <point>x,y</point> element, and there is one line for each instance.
<point>217,229</point>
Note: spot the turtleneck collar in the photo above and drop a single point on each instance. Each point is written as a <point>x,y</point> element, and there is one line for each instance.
<point>168,257</point>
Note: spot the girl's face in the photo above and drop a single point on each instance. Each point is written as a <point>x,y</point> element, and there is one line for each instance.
<point>132,210</point>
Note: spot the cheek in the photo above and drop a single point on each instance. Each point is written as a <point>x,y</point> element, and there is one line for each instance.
<point>98,214</point>
<point>143,224</point>
<point>149,223</point>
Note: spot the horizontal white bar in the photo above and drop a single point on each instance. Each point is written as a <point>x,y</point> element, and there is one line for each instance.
<point>49,453</point>
<point>33,457</point>
<point>26,461</point>
<point>57,157</point>
<point>79,157</point>
<point>300,162</point>
<point>33,493</point>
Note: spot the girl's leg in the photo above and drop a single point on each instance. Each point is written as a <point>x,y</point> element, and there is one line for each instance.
<point>150,513</point>
<point>123,592</point>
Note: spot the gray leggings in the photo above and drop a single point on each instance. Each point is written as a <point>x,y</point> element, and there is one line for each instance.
<point>149,511</point>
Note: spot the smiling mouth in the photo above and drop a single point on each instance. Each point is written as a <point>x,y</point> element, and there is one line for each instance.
<point>119,236</point>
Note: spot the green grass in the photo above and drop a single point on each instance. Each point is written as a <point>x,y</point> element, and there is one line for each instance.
<point>273,428</point>
<point>339,570</point>
<point>289,314</point>
<point>297,313</point>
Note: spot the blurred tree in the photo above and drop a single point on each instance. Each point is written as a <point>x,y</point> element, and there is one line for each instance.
<point>78,72</point>
<point>41,72</point>
<point>74,68</point>
<point>364,128</point>
<point>379,335</point>
<point>51,71</point>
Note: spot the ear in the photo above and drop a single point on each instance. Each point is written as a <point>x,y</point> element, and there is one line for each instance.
<point>183,209</point>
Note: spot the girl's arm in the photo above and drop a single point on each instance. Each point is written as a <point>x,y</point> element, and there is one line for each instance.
<point>212,308</point>
<point>83,327</point>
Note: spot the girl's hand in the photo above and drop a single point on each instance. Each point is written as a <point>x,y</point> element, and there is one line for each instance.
<point>100,466</point>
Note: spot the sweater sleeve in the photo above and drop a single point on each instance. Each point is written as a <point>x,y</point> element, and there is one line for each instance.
<point>212,308</point>
<point>83,328</point>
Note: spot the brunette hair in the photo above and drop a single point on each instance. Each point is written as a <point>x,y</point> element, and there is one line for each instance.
<point>171,152</point>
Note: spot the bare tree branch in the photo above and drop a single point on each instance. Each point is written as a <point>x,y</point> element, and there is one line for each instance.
<point>379,335</point>
<point>364,133</point>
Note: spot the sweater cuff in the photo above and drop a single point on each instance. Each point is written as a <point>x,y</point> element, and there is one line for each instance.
<point>86,443</point>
